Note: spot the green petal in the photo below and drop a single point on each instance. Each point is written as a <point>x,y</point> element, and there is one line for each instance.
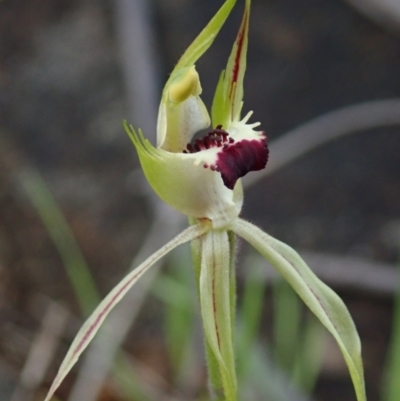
<point>179,76</point>
<point>183,113</point>
<point>183,183</point>
<point>321,300</point>
<point>228,96</point>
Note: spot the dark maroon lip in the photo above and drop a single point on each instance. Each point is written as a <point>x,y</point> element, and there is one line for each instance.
<point>235,159</point>
<point>214,139</point>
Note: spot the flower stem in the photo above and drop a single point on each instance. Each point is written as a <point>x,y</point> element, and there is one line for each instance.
<point>213,258</point>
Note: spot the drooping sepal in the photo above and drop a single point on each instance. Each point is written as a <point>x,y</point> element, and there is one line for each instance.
<point>96,319</point>
<point>322,300</point>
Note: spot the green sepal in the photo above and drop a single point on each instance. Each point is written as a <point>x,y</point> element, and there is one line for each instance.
<point>183,182</point>
<point>206,37</point>
<point>228,98</point>
<point>171,119</point>
<point>321,300</point>
<point>202,42</point>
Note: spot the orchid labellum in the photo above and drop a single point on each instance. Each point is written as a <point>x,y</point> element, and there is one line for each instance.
<point>201,179</point>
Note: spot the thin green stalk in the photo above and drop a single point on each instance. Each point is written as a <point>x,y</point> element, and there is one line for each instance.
<point>175,290</point>
<point>63,238</point>
<point>214,376</point>
<point>222,384</point>
<point>391,391</point>
<point>287,314</point>
<point>298,348</point>
<point>127,380</point>
<point>216,308</point>
<point>308,360</point>
<point>232,284</point>
<point>250,317</point>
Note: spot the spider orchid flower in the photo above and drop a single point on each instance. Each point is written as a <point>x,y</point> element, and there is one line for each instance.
<point>201,179</point>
